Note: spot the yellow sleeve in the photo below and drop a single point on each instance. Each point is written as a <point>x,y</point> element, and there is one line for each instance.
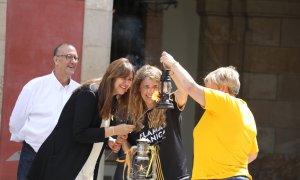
<point>254,148</point>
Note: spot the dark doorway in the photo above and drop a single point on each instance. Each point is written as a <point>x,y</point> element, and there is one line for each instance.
<point>128,31</point>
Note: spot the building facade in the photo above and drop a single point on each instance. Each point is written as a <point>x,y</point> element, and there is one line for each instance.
<point>260,37</point>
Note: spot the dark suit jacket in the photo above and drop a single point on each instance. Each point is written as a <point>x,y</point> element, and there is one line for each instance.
<point>65,151</point>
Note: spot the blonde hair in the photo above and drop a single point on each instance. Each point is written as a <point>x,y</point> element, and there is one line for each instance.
<point>137,106</point>
<point>225,76</point>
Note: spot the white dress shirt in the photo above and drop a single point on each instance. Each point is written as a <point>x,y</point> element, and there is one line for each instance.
<point>38,108</point>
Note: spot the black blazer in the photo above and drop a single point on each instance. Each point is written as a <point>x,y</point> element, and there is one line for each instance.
<point>67,148</point>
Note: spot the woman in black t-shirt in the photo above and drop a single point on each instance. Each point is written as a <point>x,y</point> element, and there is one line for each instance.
<point>160,126</point>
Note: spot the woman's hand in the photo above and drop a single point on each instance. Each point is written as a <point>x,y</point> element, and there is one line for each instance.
<point>116,144</point>
<point>167,60</point>
<point>123,129</point>
<point>113,145</point>
<point>121,139</point>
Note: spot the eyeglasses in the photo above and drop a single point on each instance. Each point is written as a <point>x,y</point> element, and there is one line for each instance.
<point>69,57</point>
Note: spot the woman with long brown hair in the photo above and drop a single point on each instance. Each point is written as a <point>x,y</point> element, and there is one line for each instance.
<point>160,126</point>
<point>81,134</point>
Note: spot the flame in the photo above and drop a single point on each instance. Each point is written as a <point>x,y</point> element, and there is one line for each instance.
<point>142,168</point>
<point>155,96</point>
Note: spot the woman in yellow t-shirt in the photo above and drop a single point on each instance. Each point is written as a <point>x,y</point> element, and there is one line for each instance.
<point>225,137</point>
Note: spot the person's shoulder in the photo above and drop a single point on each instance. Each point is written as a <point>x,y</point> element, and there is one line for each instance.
<point>40,78</point>
<point>87,88</point>
<point>74,84</point>
<point>94,87</point>
<point>37,80</point>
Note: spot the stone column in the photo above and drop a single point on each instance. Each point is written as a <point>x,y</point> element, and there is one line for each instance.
<point>153,35</point>
<point>96,38</point>
<point>3,5</point>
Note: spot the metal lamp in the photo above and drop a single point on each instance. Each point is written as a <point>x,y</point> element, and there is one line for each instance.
<point>165,91</point>
<point>142,161</point>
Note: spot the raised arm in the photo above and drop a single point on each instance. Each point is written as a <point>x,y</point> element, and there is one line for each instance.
<point>183,79</point>
<point>180,94</point>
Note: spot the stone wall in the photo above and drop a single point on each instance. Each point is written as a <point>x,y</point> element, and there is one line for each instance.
<point>153,37</point>
<point>3,7</point>
<point>261,38</point>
